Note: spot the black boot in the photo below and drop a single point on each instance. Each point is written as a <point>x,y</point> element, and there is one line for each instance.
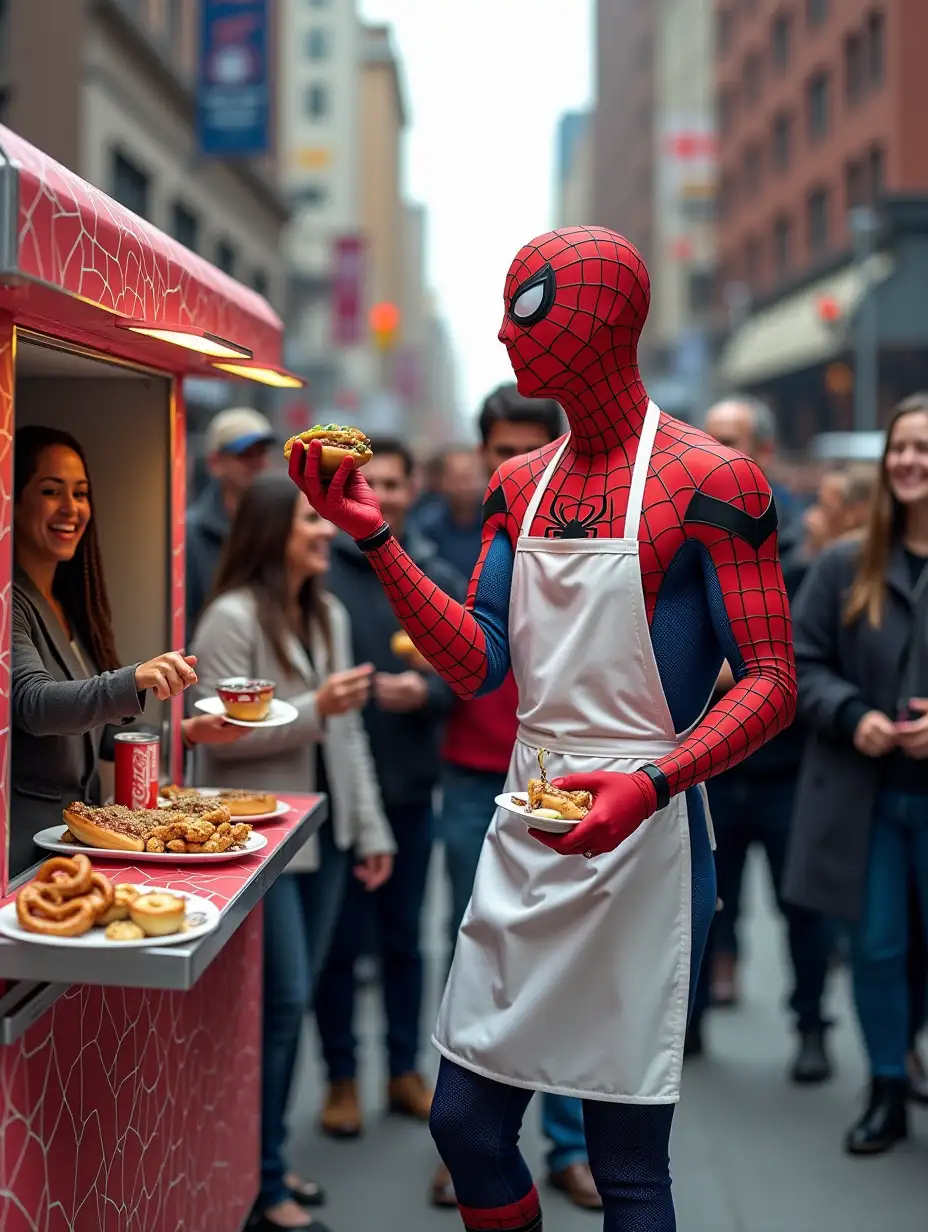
<point>884,1123</point>
<point>812,1064</point>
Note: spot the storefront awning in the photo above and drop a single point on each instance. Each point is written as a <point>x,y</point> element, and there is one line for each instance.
<point>59,234</point>
<point>793,333</point>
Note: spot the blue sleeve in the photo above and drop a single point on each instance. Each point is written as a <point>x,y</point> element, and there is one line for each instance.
<point>491,609</point>
<point>718,614</point>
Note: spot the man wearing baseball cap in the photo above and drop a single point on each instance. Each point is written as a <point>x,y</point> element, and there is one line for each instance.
<point>237,443</point>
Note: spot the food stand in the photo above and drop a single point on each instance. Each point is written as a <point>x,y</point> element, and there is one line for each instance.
<point>129,1082</point>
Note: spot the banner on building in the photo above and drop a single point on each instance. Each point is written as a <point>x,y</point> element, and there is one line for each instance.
<point>233,87</point>
<point>348,291</point>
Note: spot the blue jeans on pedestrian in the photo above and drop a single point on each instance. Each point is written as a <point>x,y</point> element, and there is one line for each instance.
<point>300,911</point>
<point>468,805</point>
<point>397,910</point>
<point>748,809</point>
<point>898,854</point>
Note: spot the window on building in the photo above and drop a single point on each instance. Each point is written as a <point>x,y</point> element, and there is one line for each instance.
<point>260,282</point>
<point>782,245</point>
<point>876,48</point>
<point>876,174</point>
<point>818,106</point>
<point>853,67</point>
<point>317,44</point>
<point>818,209</point>
<point>225,257</point>
<point>853,185</point>
<point>753,261</point>
<point>316,101</point>
<point>751,77</point>
<point>724,28</point>
<point>700,290</point>
<point>726,111</point>
<point>781,40</point>
<point>185,226</point>
<point>131,185</point>
<point>751,170</point>
<point>782,140</point>
<point>816,11</point>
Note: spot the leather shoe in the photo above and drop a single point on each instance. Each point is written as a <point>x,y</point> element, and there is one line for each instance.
<point>409,1096</point>
<point>576,1181</point>
<point>341,1112</point>
<point>812,1064</point>
<point>442,1192</point>
<point>885,1121</point>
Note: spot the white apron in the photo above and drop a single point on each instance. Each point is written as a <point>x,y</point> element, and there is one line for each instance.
<point>572,975</point>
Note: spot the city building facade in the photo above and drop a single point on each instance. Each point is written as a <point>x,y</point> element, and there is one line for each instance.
<point>573,187</point>
<point>115,102</point>
<point>823,183</point>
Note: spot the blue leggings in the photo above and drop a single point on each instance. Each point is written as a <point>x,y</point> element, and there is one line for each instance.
<point>476,1122</point>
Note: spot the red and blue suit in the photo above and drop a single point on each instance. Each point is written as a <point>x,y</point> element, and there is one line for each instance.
<point>575,304</point>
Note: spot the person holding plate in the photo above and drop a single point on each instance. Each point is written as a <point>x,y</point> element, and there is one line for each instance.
<point>67,680</point>
<point>271,618</point>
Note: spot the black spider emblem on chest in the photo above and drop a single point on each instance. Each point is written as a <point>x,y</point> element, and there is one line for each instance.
<point>587,515</point>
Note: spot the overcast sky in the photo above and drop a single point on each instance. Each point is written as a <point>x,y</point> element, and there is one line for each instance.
<point>486,81</point>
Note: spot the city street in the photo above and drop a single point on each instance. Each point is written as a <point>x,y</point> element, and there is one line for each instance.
<point>750,1153</point>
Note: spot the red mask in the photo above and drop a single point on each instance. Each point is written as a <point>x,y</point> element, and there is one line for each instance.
<point>576,302</point>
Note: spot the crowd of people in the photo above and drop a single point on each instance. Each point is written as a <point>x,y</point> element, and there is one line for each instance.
<point>837,802</point>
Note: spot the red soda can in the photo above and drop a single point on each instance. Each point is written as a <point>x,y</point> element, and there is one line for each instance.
<point>137,763</point>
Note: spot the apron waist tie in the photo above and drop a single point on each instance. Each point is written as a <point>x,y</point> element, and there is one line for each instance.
<point>640,750</point>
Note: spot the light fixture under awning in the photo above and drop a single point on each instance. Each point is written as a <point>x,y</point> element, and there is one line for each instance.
<point>191,338</point>
<point>793,333</point>
<point>264,374</point>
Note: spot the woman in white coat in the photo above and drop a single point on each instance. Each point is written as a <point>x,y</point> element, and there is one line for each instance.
<point>271,618</point>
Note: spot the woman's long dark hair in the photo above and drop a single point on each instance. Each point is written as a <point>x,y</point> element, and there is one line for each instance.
<point>79,585</point>
<point>255,558</point>
<point>886,524</point>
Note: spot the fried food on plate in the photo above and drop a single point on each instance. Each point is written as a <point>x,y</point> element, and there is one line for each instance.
<point>566,805</point>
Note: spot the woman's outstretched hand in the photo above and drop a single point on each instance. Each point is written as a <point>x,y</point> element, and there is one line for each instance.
<point>167,675</point>
<point>211,729</point>
<point>346,500</point>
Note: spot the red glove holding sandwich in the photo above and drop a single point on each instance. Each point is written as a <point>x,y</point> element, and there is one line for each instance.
<point>347,501</point>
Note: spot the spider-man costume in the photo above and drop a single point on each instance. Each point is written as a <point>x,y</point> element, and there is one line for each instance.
<point>576,301</point>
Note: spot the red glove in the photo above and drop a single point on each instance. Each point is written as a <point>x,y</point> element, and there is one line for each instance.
<point>346,501</point>
<point>621,802</point>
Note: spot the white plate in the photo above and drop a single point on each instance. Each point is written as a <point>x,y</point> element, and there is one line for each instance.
<point>246,817</point>
<point>96,940</point>
<point>505,801</point>
<point>280,714</point>
<point>50,840</point>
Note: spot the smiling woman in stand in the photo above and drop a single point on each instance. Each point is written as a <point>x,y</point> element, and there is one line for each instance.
<point>67,682</point>
<point>860,835</point>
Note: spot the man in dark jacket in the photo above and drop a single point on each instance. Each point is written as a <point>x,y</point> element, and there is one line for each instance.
<point>753,804</point>
<point>404,726</point>
<point>237,445</point>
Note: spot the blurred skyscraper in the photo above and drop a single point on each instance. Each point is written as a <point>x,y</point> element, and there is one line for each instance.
<point>653,157</point>
<point>573,170</point>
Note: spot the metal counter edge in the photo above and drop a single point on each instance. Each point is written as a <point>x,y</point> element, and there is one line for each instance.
<point>45,974</point>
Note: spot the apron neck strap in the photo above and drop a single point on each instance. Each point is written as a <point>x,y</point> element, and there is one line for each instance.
<point>640,472</point>
<point>639,476</point>
<point>540,488</point>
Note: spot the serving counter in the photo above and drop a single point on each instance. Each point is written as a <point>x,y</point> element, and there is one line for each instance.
<point>129,1083</point>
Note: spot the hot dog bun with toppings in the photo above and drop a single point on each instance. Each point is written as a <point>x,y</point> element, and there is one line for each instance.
<point>338,443</point>
<point>568,805</point>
